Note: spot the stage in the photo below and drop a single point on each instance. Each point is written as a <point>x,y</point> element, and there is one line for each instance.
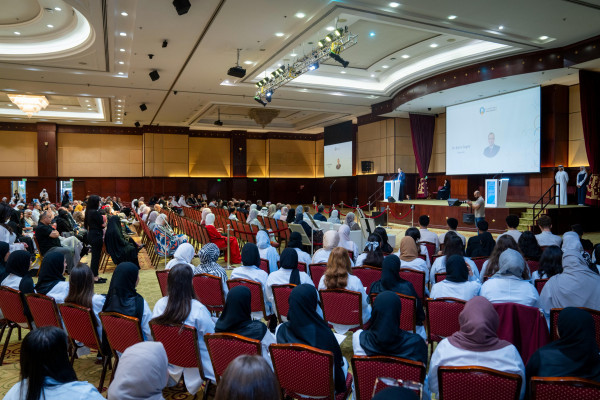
<point>439,210</point>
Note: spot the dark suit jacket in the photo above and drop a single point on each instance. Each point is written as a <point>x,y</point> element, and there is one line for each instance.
<point>491,151</point>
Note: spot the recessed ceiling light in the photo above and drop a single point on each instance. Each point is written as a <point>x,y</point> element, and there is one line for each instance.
<point>58,8</point>
<point>50,26</point>
<point>121,62</point>
<point>433,45</point>
<point>372,34</point>
<point>342,72</point>
<point>393,4</point>
<point>10,105</point>
<point>372,75</point>
<point>451,16</point>
<point>300,15</point>
<point>330,28</point>
<point>280,65</point>
<point>64,108</point>
<point>544,37</point>
<point>247,62</point>
<point>120,73</point>
<point>279,34</point>
<point>293,55</point>
<point>385,66</point>
<point>17,33</point>
<point>405,56</point>
<point>122,34</point>
<point>501,27</point>
<point>122,50</point>
<point>119,100</point>
<point>124,14</point>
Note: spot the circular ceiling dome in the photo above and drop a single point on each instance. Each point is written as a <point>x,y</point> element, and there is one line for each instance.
<point>42,29</point>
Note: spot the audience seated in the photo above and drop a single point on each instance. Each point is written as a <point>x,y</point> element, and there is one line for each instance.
<point>331,240</point>
<point>183,255</point>
<point>409,257</point>
<point>20,238</point>
<point>81,292</point>
<point>50,240</point>
<point>334,217</point>
<point>509,285</point>
<point>253,218</point>
<point>167,241</point>
<point>456,284</point>
<point>16,276</point>
<point>481,245</point>
<point>475,344</point>
<point>122,297</point>
<point>574,354</point>
<point>550,263</point>
<point>248,378</point>
<point>587,244</point>
<point>250,270</point>
<point>338,275</point>
<point>51,280</point>
<point>46,372</point>
<point>283,214</point>
<point>372,255</point>
<point>346,242</point>
<point>453,245</point>
<point>319,215</point>
<point>130,384</point>
<point>384,336</point>
<point>529,246</point>
<point>221,241</point>
<point>152,219</point>
<point>452,225</point>
<point>577,285</point>
<point>121,249</point>
<point>385,246</point>
<point>416,235</point>
<point>351,223</point>
<point>208,256</point>
<point>512,223</point>
<point>546,237</point>
<point>266,251</point>
<point>4,254</point>
<point>305,326</point>
<point>295,242</point>
<point>491,265</point>
<point>427,235</point>
<point>181,307</point>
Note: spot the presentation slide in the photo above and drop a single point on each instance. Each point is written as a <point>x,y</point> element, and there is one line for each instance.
<point>338,159</point>
<point>496,135</point>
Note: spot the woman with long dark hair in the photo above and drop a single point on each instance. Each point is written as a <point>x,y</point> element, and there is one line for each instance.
<point>81,291</point>
<point>550,263</point>
<point>385,246</point>
<point>180,307</point>
<point>491,266</point>
<point>46,372</point>
<point>95,222</point>
<point>529,246</point>
<point>248,378</point>
<point>4,254</point>
<point>372,255</point>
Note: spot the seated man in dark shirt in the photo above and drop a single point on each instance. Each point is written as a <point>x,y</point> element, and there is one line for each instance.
<point>49,240</point>
<point>482,244</point>
<point>319,215</point>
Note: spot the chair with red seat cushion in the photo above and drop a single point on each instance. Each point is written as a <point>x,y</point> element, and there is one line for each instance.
<point>342,307</point>
<point>539,284</point>
<point>417,278</point>
<point>440,276</point>
<point>209,291</point>
<point>408,316</point>
<point>223,348</point>
<point>264,265</point>
<point>181,345</point>
<point>281,294</point>
<point>13,308</point>
<point>442,317</point>
<point>316,272</point>
<point>366,370</point>
<point>43,310</point>
<point>122,331</point>
<point>306,370</point>
<point>301,266</point>
<point>564,388</point>
<point>554,312</point>
<point>81,325</point>
<point>257,302</point>
<point>162,277</point>
<point>430,248</point>
<point>533,265</point>
<point>476,383</point>
<point>479,261</point>
<point>367,275</point>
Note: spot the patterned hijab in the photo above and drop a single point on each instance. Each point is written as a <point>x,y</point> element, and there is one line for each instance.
<point>208,255</point>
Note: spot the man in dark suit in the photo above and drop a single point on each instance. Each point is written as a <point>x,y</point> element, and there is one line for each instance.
<point>492,149</point>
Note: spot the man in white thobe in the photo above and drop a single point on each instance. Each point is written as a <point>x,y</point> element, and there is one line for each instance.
<point>562,178</point>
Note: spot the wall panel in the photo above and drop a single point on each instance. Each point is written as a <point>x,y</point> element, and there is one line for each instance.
<point>577,153</point>
<point>292,158</point>
<point>209,157</point>
<point>256,158</point>
<point>18,153</point>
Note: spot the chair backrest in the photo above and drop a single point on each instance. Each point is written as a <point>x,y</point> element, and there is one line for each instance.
<point>122,331</point>
<point>257,302</point>
<point>301,266</point>
<point>417,278</point>
<point>442,317</point>
<point>479,261</point>
<point>539,284</point>
<point>440,276</point>
<point>367,275</point>
<point>564,388</point>
<point>430,248</point>
<point>475,383</point>
<point>209,291</point>
<point>284,233</point>
<point>43,310</point>
<point>12,306</point>
<point>264,265</point>
<point>408,316</point>
<point>316,272</point>
<point>554,312</point>
<point>342,307</point>
<point>81,324</point>
<point>281,293</point>
<point>162,277</point>
<point>288,359</point>
<point>533,265</point>
<point>181,344</point>
<point>298,228</point>
<point>223,348</point>
<point>366,370</point>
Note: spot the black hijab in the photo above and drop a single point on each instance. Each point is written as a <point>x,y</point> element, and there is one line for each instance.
<point>291,217</point>
<point>574,354</point>
<point>289,260</point>
<point>16,228</point>
<point>396,393</point>
<point>51,272</point>
<point>305,326</point>
<point>122,296</point>
<point>456,269</point>
<point>236,316</point>
<point>295,241</point>
<point>116,245</point>
<point>4,249</point>
<point>384,336</point>
<point>385,246</point>
<point>250,255</point>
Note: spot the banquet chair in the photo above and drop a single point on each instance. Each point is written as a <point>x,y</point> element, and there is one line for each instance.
<point>367,275</point>
<point>281,294</point>
<point>162,277</point>
<point>257,302</point>
<point>13,308</point>
<point>408,316</point>
<point>223,348</point>
<point>442,318</point>
<point>476,383</point>
<point>342,307</point>
<point>563,388</point>
<point>209,291</point>
<point>43,310</point>
<point>122,331</point>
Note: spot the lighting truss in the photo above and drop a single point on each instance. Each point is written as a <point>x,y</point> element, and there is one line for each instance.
<point>330,47</point>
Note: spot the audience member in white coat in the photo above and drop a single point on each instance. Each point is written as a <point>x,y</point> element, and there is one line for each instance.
<point>456,284</point>
<point>452,246</point>
<point>346,242</point>
<point>331,240</point>
<point>250,270</point>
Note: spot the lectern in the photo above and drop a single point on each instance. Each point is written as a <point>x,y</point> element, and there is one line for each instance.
<point>495,192</point>
<point>391,188</point>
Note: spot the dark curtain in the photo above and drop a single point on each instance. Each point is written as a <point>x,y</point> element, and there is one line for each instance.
<point>421,130</point>
<point>589,95</point>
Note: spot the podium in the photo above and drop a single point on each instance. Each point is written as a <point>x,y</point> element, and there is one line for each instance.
<point>495,192</point>
<point>391,188</point>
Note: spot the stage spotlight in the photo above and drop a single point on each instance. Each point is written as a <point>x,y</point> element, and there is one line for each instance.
<point>182,6</point>
<point>339,32</point>
<point>259,84</point>
<point>329,37</point>
<point>314,66</point>
<point>154,75</point>
<point>259,100</point>
<point>143,107</point>
<point>268,95</point>
<point>321,43</point>
<point>137,124</point>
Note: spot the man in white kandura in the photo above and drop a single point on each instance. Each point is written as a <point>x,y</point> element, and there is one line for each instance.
<point>562,178</point>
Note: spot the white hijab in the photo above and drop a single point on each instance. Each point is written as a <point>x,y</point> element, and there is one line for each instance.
<point>205,212</point>
<point>210,219</point>
<point>331,240</point>
<point>183,255</point>
<point>345,241</point>
<point>182,202</point>
<point>161,220</point>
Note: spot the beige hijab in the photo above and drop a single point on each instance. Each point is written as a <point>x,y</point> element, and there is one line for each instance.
<point>408,249</point>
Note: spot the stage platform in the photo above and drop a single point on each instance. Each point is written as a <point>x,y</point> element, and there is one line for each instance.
<point>439,210</point>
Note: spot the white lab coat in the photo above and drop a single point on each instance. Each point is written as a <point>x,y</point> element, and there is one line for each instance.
<point>439,266</point>
<point>463,290</point>
<point>510,289</point>
<point>258,275</point>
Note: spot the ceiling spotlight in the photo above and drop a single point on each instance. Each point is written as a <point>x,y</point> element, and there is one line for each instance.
<point>17,33</point>
<point>342,72</point>
<point>120,73</point>
<point>314,66</point>
<point>137,124</point>
<point>122,50</point>
<point>182,6</point>
<point>150,56</point>
<point>122,34</point>
<point>50,26</point>
<point>371,34</point>
<point>143,107</point>
<point>339,32</point>
<point>372,75</point>
<point>385,66</point>
<point>433,45</point>
<point>237,71</point>
<point>121,62</point>
<point>330,28</point>
<point>260,101</point>
<point>300,15</point>
<point>248,62</point>
<point>451,16</point>
<point>321,43</point>
<point>279,34</point>
<point>405,56</point>
<point>293,55</point>
<point>501,27</point>
<point>544,37</point>
<point>64,108</point>
<point>154,75</point>
<point>124,14</point>
<point>218,122</point>
<point>165,43</point>
<point>393,4</point>
<point>57,9</point>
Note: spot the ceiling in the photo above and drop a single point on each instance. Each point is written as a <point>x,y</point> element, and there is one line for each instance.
<point>108,62</point>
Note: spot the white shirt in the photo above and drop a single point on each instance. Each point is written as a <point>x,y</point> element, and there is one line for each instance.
<point>506,359</point>
<point>76,390</point>
<point>511,232</point>
<point>428,236</point>
<point>442,237</point>
<point>322,256</point>
<point>59,292</point>
<point>351,246</point>
<point>355,285</point>
<point>35,215</point>
<point>12,281</point>
<point>547,238</point>
<point>6,236</point>
<point>304,257</point>
<point>200,319</point>
<point>257,275</point>
<point>463,290</point>
<point>282,277</point>
<point>423,251</point>
<point>439,266</point>
<point>510,289</point>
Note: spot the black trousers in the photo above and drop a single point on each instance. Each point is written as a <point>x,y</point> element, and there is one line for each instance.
<point>95,240</point>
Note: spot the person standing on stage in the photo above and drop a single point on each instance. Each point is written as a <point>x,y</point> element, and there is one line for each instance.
<point>478,207</point>
<point>561,178</point>
<point>401,178</point>
<point>581,186</point>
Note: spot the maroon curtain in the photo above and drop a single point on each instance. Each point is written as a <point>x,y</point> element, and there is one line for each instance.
<point>589,95</point>
<point>421,129</point>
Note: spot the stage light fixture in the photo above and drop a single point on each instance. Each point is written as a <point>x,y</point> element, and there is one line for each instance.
<point>137,124</point>
<point>143,107</point>
<point>260,101</point>
<point>314,66</point>
<point>339,32</point>
<point>321,43</point>
<point>218,122</point>
<point>268,95</point>
<point>154,75</point>
<point>329,37</point>
<point>182,6</point>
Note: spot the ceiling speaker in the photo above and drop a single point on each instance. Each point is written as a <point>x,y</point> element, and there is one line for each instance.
<point>143,107</point>
<point>154,75</point>
<point>182,6</point>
